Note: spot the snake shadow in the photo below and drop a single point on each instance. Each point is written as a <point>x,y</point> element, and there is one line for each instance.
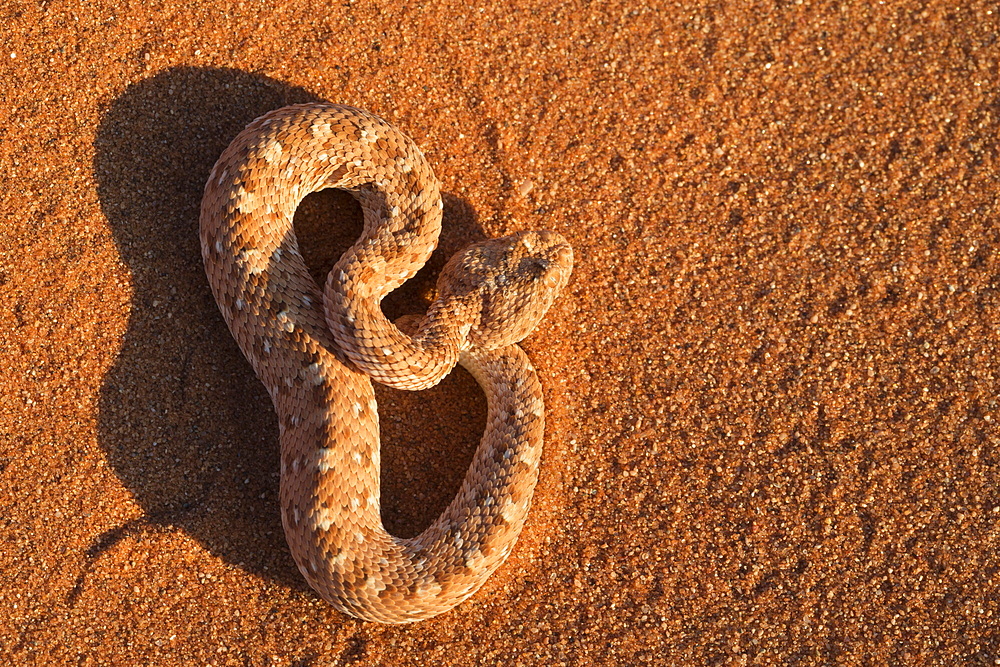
<point>183,421</point>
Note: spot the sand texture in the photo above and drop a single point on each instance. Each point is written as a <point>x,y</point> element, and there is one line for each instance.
<point>771,385</point>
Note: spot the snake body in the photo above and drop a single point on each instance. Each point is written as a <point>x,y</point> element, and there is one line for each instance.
<point>316,350</point>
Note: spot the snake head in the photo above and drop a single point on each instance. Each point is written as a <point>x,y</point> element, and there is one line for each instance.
<point>507,284</point>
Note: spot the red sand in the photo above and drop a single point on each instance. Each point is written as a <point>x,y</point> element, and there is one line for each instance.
<point>771,387</point>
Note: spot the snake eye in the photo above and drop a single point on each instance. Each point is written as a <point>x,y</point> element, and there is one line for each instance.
<point>534,266</point>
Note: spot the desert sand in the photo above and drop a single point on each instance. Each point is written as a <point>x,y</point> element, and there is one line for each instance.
<point>771,385</point>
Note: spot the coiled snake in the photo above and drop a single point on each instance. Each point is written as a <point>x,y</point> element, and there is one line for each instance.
<point>316,350</point>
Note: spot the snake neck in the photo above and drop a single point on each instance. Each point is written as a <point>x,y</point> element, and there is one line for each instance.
<point>418,356</point>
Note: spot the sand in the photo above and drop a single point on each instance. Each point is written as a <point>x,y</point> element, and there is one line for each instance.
<point>771,384</point>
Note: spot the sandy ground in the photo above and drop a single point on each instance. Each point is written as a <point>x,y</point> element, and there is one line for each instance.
<point>771,386</point>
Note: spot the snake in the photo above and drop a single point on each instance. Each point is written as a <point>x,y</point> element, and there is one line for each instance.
<point>318,349</point>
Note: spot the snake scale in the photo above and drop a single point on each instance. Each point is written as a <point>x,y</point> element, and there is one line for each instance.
<point>317,350</point>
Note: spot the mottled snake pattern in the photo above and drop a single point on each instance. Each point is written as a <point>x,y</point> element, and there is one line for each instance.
<point>317,350</point>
